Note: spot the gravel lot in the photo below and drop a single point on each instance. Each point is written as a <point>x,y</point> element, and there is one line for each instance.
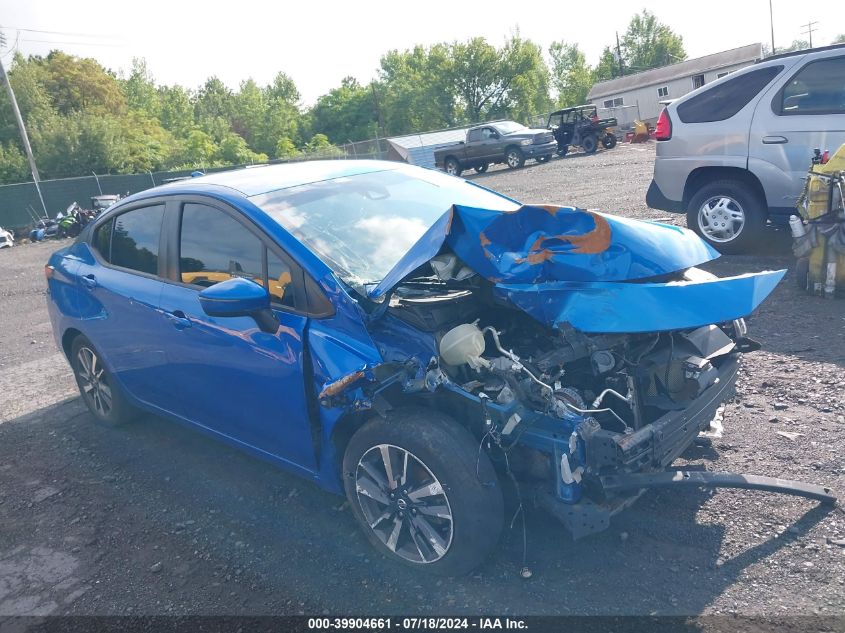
<point>157,519</point>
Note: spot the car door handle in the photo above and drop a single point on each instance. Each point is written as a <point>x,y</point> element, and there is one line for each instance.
<point>178,318</point>
<point>89,281</point>
<point>775,140</point>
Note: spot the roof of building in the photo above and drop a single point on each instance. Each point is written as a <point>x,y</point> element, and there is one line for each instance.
<point>419,148</point>
<point>697,66</point>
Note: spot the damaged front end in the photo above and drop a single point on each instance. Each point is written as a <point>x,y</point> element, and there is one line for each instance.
<point>579,348</point>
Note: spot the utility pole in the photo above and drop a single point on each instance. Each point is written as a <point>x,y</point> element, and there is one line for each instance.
<point>619,56</point>
<point>772,25</point>
<point>24,138</point>
<point>809,30</point>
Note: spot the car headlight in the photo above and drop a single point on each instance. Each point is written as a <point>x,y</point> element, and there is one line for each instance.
<point>527,141</point>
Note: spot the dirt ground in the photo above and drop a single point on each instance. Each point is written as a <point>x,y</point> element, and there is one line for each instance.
<point>157,519</point>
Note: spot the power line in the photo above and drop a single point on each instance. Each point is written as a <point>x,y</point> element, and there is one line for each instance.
<point>73,43</point>
<point>98,35</point>
<point>809,30</point>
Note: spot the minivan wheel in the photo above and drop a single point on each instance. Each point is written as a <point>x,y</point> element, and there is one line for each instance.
<point>728,215</point>
<point>412,483</point>
<point>99,390</point>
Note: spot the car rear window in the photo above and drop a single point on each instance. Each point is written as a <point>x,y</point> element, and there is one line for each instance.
<point>724,100</point>
<point>135,238</point>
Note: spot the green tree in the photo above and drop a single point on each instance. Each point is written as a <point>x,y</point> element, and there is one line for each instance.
<point>571,77</point>
<point>648,43</point>
<point>414,90</point>
<point>285,148</point>
<point>234,150</point>
<point>345,113</point>
<point>75,85</point>
<point>321,146</point>
<point>839,39</point>
<point>608,66</point>
<point>177,111</point>
<point>13,164</point>
<point>199,150</point>
<point>525,80</point>
<point>140,89</point>
<point>476,77</point>
<point>214,108</point>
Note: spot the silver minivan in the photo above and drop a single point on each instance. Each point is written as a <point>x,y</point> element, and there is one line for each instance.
<point>733,154</point>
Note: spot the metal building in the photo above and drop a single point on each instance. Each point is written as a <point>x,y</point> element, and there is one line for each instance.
<point>418,149</point>
<point>645,90</point>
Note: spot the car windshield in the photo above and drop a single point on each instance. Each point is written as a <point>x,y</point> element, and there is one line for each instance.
<point>509,127</point>
<point>362,225</point>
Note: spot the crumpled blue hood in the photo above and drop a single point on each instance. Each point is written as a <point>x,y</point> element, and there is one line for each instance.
<point>563,264</point>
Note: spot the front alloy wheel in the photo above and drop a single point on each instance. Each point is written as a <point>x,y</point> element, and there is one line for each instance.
<point>404,504</point>
<point>721,219</point>
<point>423,491</point>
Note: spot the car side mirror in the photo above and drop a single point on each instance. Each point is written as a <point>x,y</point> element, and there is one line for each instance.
<point>240,297</point>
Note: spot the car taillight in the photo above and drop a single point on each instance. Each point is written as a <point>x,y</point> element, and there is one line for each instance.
<point>48,271</point>
<point>663,131</point>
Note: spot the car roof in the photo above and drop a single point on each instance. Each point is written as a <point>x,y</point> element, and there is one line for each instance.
<point>805,51</point>
<point>253,181</point>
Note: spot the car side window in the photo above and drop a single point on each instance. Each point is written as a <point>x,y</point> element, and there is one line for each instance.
<point>102,240</point>
<point>135,239</point>
<point>474,135</point>
<point>214,247</point>
<point>724,100</point>
<point>818,88</point>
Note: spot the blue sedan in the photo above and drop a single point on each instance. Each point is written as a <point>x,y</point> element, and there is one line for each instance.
<point>406,338</point>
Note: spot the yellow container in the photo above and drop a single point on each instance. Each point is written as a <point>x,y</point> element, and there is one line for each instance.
<point>813,204</point>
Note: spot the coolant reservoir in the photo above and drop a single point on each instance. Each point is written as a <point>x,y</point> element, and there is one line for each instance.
<point>462,344</point>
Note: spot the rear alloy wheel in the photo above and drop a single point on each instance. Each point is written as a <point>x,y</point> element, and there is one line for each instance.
<point>609,141</point>
<point>453,167</point>
<point>412,484</point>
<point>514,157</point>
<point>480,169</point>
<point>589,144</point>
<point>728,215</point>
<point>99,391</point>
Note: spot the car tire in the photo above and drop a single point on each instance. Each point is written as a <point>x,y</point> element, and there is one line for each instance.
<point>608,141</point>
<point>447,510</point>
<point>733,220</point>
<point>562,151</point>
<point>480,169</point>
<point>453,167</point>
<point>514,157</point>
<point>100,392</point>
<point>544,159</point>
<point>589,144</point>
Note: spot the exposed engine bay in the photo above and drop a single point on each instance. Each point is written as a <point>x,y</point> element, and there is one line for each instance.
<point>567,406</point>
